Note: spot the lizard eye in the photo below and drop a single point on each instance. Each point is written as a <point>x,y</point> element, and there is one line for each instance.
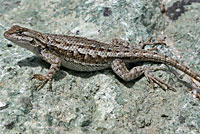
<point>19,32</point>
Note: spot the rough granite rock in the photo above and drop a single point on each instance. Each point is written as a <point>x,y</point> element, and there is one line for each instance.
<point>98,102</point>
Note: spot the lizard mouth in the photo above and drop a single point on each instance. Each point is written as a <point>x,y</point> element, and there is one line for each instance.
<point>7,36</point>
<point>17,34</point>
<point>13,33</point>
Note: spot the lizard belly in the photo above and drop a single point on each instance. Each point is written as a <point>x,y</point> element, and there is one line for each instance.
<point>86,67</point>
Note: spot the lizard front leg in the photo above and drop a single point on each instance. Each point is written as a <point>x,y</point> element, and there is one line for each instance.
<point>119,67</point>
<point>55,62</point>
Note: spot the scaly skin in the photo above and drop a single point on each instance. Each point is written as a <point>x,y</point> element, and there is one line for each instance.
<point>83,54</point>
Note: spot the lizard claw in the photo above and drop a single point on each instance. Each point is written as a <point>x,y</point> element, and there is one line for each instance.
<point>152,79</point>
<point>43,80</point>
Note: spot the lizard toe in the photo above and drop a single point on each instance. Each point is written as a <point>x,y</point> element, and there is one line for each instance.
<point>152,79</point>
<point>41,78</point>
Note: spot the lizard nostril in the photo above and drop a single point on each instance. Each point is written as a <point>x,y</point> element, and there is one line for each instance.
<point>5,34</point>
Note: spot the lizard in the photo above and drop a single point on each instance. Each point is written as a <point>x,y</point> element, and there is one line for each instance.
<point>82,54</point>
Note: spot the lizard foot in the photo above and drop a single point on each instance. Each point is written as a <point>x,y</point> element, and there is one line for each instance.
<point>43,80</point>
<point>149,41</point>
<point>152,79</point>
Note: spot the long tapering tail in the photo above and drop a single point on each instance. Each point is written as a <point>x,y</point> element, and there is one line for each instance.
<point>169,61</point>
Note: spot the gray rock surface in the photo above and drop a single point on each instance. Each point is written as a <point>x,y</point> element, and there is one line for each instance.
<point>98,102</point>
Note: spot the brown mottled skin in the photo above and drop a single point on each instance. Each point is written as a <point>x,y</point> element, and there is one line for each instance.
<point>83,54</point>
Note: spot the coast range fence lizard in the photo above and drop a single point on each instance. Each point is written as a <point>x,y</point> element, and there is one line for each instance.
<point>81,54</point>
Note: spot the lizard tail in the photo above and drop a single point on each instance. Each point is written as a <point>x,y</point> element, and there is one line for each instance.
<point>172,62</point>
<point>183,68</point>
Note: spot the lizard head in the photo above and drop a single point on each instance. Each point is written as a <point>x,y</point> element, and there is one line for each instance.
<point>18,34</point>
<point>23,37</point>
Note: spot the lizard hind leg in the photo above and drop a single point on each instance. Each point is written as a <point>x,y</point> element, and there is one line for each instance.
<point>149,41</point>
<point>140,45</point>
<point>117,41</point>
<point>119,67</point>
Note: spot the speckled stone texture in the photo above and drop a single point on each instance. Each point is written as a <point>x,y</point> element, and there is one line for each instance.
<point>99,102</point>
